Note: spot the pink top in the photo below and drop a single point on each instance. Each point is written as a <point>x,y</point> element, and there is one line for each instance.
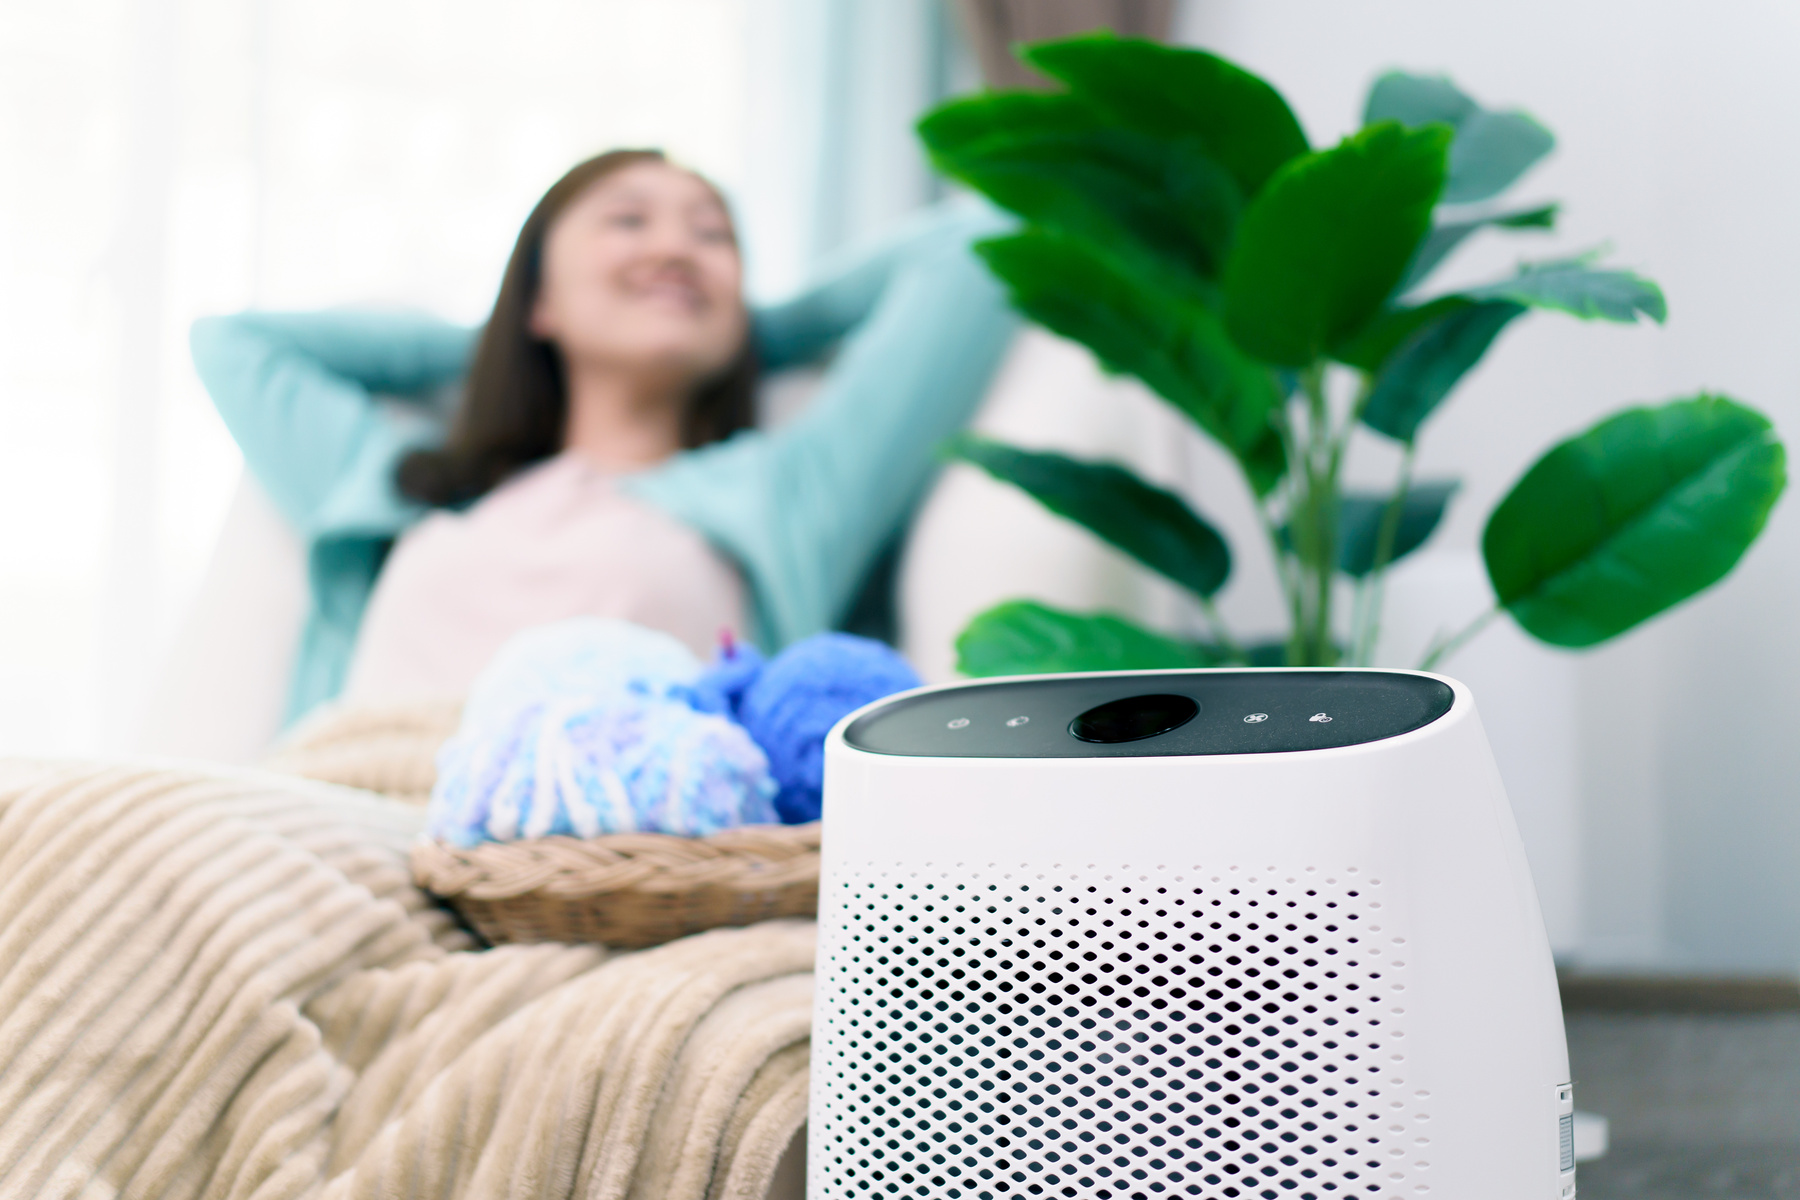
<point>557,540</point>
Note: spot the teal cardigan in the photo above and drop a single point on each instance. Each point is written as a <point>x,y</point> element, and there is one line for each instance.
<point>323,406</point>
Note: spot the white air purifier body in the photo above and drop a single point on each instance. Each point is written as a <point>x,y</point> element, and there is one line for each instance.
<point>1181,933</point>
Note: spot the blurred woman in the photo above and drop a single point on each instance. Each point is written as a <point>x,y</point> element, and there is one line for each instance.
<point>601,458</point>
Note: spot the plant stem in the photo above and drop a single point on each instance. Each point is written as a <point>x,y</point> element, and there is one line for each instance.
<point>1318,550</point>
<point>1445,647</point>
<point>1234,650</point>
<point>1359,605</point>
<point>1369,628</point>
<point>1341,443</point>
<point>1286,560</point>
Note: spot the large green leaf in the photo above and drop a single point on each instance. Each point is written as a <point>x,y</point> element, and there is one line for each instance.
<point>1636,514</point>
<point>1575,286</point>
<point>1137,326</point>
<point>1324,244</point>
<point>1023,637</point>
<point>1377,341</point>
<point>1492,149</point>
<point>1419,353</point>
<point>1239,120</point>
<point>1417,100</point>
<point>1360,516</point>
<point>1447,236</point>
<point>1423,369</point>
<point>1152,525</point>
<point>1060,162</point>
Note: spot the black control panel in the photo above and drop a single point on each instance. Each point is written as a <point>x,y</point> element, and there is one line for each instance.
<point>1127,714</point>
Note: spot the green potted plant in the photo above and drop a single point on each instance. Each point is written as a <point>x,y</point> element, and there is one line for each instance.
<point>1177,223</point>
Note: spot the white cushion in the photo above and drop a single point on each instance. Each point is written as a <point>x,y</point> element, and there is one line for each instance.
<point>221,693</point>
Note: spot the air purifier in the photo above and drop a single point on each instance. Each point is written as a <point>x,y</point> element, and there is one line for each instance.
<point>1233,933</point>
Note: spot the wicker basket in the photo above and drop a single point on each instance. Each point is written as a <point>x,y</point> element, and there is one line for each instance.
<point>626,889</point>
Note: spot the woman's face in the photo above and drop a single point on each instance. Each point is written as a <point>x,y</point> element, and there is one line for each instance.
<point>641,273</point>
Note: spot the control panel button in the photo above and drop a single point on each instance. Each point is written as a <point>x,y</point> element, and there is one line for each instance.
<point>1320,718</point>
<point>1255,718</point>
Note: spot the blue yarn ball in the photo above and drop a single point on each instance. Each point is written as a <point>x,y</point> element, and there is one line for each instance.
<point>721,688</point>
<point>794,701</point>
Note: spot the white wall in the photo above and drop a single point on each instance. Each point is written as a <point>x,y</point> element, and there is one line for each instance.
<point>1677,146</point>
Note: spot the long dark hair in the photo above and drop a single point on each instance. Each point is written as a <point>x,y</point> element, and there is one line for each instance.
<point>515,401</point>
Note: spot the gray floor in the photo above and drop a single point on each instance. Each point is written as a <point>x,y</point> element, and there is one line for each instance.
<point>1702,1107</point>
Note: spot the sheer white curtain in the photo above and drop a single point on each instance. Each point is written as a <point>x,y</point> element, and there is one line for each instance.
<point>835,87</point>
<point>170,158</point>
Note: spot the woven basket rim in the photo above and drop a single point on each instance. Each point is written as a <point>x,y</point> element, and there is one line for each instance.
<point>745,858</point>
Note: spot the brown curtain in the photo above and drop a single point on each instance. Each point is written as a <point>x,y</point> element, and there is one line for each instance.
<point>996,26</point>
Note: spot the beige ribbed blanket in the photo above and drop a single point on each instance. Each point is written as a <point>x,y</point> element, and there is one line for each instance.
<point>225,985</point>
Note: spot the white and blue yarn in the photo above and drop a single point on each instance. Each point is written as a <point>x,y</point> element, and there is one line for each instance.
<point>576,657</point>
<point>587,727</point>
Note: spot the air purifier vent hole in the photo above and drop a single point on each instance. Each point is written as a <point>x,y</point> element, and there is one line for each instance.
<point>1077,1036</point>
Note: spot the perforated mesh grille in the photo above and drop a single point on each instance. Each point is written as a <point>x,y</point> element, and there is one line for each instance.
<point>1112,1034</point>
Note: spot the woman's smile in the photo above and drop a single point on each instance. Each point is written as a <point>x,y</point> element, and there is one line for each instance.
<point>672,287</point>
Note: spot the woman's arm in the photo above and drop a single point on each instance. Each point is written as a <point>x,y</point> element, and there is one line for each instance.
<point>805,510</point>
<point>297,392</point>
<point>849,284</point>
